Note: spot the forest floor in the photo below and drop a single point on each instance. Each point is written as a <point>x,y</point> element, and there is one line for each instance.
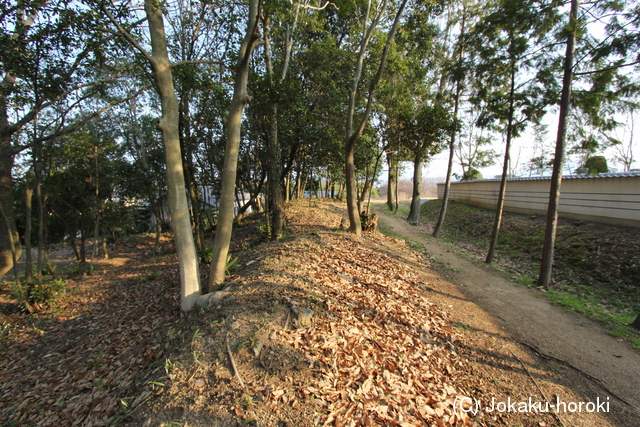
<point>321,327</point>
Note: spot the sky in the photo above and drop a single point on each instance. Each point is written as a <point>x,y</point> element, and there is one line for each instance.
<point>522,152</point>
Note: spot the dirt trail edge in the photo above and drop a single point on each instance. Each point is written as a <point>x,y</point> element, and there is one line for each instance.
<point>567,338</point>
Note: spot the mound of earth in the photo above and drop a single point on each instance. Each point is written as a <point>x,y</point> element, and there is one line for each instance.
<point>319,328</point>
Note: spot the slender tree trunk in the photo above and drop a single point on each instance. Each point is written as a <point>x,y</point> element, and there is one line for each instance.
<point>391,182</point>
<point>299,179</point>
<point>341,190</point>
<point>157,229</point>
<point>168,125</point>
<point>546,265</point>
<point>353,134</point>
<point>452,145</point>
<point>414,213</point>
<point>273,149</point>
<point>397,187</point>
<point>505,172</point>
<point>96,214</point>
<point>27,233</point>
<point>189,169</point>
<point>363,192</point>
<point>83,242</point>
<point>14,256</point>
<point>351,138</point>
<point>287,188</point>
<point>9,239</point>
<point>240,99</point>
<point>105,249</point>
<point>373,177</point>
<point>41,200</point>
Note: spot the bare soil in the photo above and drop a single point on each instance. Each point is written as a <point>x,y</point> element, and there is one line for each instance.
<point>391,340</point>
<point>578,352</point>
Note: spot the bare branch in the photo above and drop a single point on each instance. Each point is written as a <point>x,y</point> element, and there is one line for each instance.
<point>87,119</point>
<point>602,70</point>
<point>197,61</point>
<point>308,6</point>
<point>125,33</point>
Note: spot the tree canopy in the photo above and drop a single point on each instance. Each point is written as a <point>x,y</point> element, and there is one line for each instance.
<point>312,93</point>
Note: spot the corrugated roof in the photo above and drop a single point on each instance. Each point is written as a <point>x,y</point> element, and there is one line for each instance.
<point>547,178</point>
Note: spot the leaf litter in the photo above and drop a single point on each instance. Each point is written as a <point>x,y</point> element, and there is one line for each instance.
<point>376,350</point>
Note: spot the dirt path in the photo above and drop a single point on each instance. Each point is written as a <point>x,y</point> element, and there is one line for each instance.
<point>603,364</point>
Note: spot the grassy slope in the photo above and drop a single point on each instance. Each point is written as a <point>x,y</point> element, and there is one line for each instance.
<point>597,267</point>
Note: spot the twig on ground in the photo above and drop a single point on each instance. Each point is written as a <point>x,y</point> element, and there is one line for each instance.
<point>233,363</point>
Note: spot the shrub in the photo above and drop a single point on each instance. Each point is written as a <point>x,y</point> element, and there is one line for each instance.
<point>32,297</point>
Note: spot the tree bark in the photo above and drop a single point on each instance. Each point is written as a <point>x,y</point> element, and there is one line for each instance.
<point>234,122</point>
<point>14,256</point>
<point>391,181</point>
<point>42,241</point>
<point>352,135</point>
<point>505,171</point>
<point>189,169</point>
<point>27,233</point>
<point>168,125</point>
<point>414,213</point>
<point>273,149</point>
<point>452,146</point>
<point>546,264</point>
<point>9,239</point>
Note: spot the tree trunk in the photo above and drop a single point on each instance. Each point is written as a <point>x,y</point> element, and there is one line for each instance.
<point>187,163</point>
<point>14,257</point>
<point>391,183</point>
<point>168,125</point>
<point>287,188</point>
<point>397,188</point>
<point>373,177</point>
<point>43,231</point>
<point>9,239</point>
<point>96,213</point>
<point>352,135</point>
<point>505,171</point>
<point>556,177</point>
<point>83,242</point>
<point>365,188</point>
<point>234,122</point>
<point>157,228</point>
<point>273,149</point>
<point>28,265</point>
<point>452,145</point>
<point>414,213</point>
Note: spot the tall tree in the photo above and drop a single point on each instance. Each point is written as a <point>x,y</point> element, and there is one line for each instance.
<point>424,131</point>
<point>234,122</point>
<point>546,265</point>
<point>45,49</point>
<point>458,77</point>
<point>160,65</point>
<point>506,93</point>
<point>352,134</point>
<point>602,61</point>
